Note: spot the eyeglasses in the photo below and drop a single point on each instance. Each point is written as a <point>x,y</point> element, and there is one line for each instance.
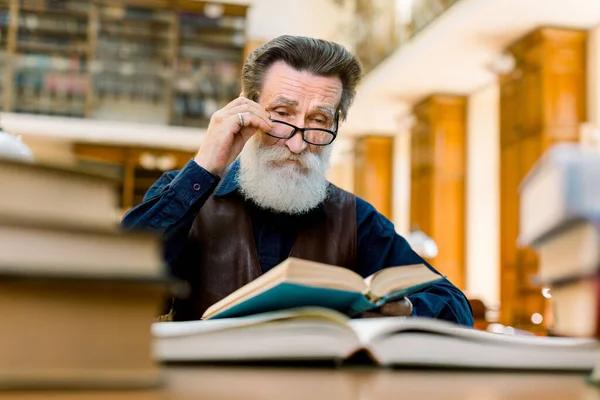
<point>311,135</point>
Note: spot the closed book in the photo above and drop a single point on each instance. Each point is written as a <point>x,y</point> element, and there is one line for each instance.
<point>78,332</point>
<point>77,305</point>
<point>58,195</point>
<point>571,250</point>
<point>302,283</point>
<point>28,247</point>
<point>313,334</point>
<point>576,307</point>
<point>562,185</point>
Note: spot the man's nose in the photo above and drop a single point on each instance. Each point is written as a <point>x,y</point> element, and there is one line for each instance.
<point>296,144</point>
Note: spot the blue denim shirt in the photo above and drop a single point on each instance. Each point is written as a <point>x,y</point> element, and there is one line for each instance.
<point>172,203</point>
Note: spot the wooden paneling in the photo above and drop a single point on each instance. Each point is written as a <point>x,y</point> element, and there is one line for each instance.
<point>541,102</point>
<point>11,49</point>
<point>373,171</point>
<point>136,178</point>
<point>438,179</point>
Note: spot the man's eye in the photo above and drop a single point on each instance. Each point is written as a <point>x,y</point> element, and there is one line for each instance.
<point>319,121</point>
<point>281,113</point>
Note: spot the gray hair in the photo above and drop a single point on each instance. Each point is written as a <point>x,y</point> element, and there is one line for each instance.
<point>319,57</point>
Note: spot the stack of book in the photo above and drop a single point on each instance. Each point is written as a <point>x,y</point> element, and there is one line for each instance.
<point>560,219</point>
<point>299,312</point>
<point>77,297</point>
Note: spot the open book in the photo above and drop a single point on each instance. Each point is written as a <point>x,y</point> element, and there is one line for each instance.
<point>302,283</point>
<point>313,334</point>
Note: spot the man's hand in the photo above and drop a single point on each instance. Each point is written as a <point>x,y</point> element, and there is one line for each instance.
<point>401,308</point>
<point>225,138</point>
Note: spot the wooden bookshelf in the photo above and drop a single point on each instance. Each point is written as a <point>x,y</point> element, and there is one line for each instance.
<point>10,14</point>
<point>4,28</point>
<point>133,63</point>
<point>208,64</point>
<point>151,61</point>
<point>48,74</point>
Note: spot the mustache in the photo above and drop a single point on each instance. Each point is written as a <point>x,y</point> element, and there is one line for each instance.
<point>306,159</point>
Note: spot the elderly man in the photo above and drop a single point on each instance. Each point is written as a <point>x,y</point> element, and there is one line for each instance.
<point>256,191</point>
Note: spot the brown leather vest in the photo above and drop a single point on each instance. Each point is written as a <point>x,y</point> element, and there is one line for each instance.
<point>220,255</point>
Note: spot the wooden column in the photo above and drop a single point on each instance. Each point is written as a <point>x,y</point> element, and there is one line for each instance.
<point>373,165</point>
<point>437,198</point>
<point>542,102</point>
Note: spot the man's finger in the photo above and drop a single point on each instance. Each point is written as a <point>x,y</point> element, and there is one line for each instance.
<point>401,308</point>
<point>249,119</point>
<point>253,108</point>
<point>368,315</point>
<point>243,102</point>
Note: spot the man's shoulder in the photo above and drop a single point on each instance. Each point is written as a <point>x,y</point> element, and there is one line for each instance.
<point>337,192</point>
<point>369,219</point>
<point>364,209</point>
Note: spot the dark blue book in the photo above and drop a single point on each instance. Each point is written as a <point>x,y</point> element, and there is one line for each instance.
<point>301,283</point>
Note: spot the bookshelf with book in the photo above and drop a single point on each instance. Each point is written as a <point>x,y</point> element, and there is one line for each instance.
<point>50,58</point>
<point>133,60</point>
<point>4,18</point>
<point>7,32</point>
<point>208,65</point>
<point>151,61</point>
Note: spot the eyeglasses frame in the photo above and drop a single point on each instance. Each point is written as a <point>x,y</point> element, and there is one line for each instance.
<point>296,129</point>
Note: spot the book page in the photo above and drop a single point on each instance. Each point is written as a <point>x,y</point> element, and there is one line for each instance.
<point>394,279</point>
<point>167,329</point>
<point>296,334</point>
<point>369,328</point>
<point>375,329</point>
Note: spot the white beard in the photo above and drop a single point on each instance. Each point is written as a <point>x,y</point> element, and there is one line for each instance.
<point>289,189</point>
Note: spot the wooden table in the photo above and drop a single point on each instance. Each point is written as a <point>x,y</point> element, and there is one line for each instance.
<point>265,383</point>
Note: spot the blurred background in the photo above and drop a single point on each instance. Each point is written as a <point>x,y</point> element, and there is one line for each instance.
<point>460,99</point>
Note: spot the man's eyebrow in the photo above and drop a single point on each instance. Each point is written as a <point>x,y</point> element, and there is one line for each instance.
<point>327,110</point>
<point>283,101</point>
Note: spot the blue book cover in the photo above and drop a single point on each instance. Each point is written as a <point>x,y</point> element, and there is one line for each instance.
<point>287,294</point>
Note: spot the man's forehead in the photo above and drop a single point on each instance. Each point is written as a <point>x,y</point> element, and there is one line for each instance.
<point>286,84</point>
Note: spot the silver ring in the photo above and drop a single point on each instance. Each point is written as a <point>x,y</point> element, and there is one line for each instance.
<point>241,120</point>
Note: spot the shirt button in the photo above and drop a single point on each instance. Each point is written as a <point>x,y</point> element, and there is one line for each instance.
<point>197,186</point>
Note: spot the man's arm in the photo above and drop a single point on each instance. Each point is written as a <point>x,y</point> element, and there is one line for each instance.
<point>171,204</point>
<point>379,246</point>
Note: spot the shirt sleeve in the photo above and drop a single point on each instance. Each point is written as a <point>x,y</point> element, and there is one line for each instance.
<point>379,246</point>
<point>171,204</point>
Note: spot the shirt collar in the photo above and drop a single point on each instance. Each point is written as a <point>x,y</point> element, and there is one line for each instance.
<point>230,183</point>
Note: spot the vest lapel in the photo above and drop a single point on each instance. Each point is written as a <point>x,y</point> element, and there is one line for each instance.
<point>221,252</point>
